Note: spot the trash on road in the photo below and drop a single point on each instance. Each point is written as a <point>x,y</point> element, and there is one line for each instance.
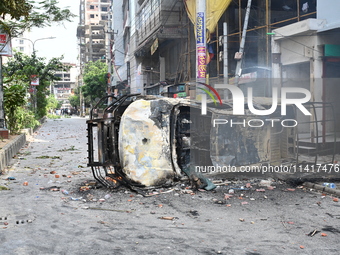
<point>166,218</point>
<point>65,192</point>
<point>313,233</point>
<point>260,190</point>
<point>329,185</point>
<point>76,198</point>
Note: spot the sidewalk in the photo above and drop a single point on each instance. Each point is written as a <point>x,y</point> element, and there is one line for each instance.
<point>54,206</point>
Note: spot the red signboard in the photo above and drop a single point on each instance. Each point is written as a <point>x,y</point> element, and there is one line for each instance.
<point>34,80</point>
<point>5,45</point>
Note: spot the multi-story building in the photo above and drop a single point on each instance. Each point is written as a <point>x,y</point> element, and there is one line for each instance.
<point>22,44</point>
<point>149,42</point>
<point>64,88</point>
<point>93,19</point>
<point>294,41</point>
<point>93,35</point>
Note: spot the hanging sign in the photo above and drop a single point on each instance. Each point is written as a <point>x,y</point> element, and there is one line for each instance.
<point>5,45</point>
<point>34,80</point>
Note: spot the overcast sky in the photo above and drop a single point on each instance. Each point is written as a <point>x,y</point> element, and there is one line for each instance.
<point>65,42</point>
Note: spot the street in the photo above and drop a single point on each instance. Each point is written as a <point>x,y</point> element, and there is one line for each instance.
<point>54,206</point>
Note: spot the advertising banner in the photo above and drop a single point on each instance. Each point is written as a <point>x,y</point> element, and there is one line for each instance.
<point>5,45</point>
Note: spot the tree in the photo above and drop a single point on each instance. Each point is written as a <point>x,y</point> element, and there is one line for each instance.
<point>75,99</point>
<point>52,103</point>
<point>95,81</point>
<point>21,67</point>
<point>17,16</point>
<point>14,99</point>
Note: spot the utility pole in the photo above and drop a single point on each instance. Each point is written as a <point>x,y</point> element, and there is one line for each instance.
<point>243,40</point>
<point>108,37</point>
<point>201,46</point>
<point>4,40</point>
<point>2,112</point>
<point>225,52</point>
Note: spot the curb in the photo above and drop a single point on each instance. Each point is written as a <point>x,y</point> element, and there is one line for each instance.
<point>10,149</point>
<point>322,188</point>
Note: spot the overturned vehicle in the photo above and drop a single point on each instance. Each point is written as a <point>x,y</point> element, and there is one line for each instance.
<point>149,141</point>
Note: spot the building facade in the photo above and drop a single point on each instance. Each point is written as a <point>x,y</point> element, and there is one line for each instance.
<point>64,88</point>
<point>151,31</point>
<point>21,44</point>
<point>93,19</point>
<point>293,41</point>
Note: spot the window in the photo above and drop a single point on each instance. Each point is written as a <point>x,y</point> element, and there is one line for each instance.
<point>104,9</point>
<point>91,16</point>
<point>21,48</point>
<point>91,7</point>
<point>104,17</point>
<point>21,41</point>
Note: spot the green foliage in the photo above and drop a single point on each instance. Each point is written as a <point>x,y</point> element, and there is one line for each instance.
<point>53,116</point>
<point>74,101</point>
<point>23,118</point>
<point>52,103</point>
<point>22,66</point>
<point>19,70</point>
<point>95,81</point>
<point>17,117</point>
<point>14,99</point>
<point>41,100</point>
<point>15,8</point>
<point>27,14</point>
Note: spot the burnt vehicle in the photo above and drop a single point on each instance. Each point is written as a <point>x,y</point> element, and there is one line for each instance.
<point>150,141</point>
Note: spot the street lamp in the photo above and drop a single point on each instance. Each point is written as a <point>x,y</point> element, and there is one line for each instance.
<point>39,39</point>
<point>34,100</point>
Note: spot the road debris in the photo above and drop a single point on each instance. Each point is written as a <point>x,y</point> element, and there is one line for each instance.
<point>260,190</point>
<point>265,183</point>
<point>313,233</point>
<point>106,209</point>
<point>166,218</point>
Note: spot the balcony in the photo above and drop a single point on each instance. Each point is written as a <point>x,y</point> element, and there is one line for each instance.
<point>162,20</point>
<point>97,26</point>
<point>98,44</point>
<point>98,35</point>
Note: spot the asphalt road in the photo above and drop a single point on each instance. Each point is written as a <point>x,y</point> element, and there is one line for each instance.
<point>52,207</point>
